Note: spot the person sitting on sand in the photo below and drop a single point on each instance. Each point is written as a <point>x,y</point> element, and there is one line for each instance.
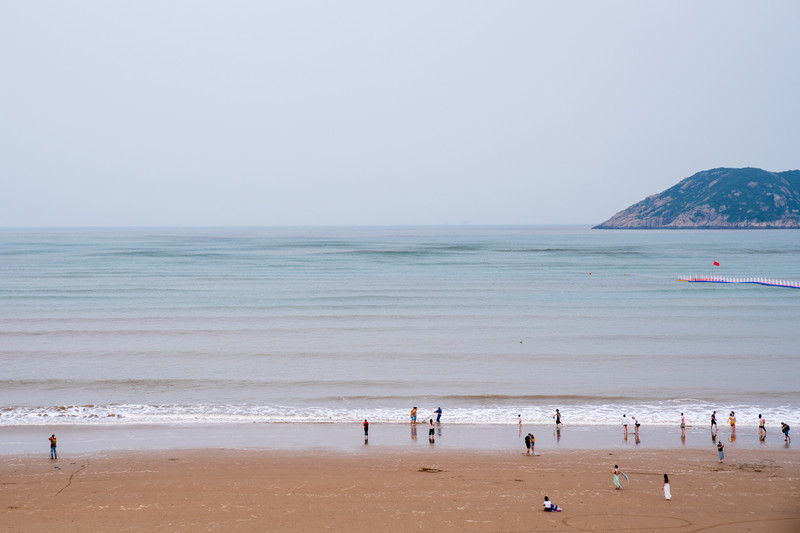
<point>550,507</point>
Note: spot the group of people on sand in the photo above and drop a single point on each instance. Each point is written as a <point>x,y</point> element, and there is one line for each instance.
<point>616,472</point>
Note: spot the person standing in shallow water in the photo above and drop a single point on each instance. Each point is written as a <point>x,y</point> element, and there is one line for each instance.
<point>557,418</point>
<point>438,414</point>
<point>762,427</point>
<point>53,451</point>
<point>431,430</point>
<point>414,415</point>
<point>713,422</point>
<point>366,428</point>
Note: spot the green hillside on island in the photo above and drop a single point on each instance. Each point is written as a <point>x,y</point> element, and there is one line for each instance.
<point>736,198</point>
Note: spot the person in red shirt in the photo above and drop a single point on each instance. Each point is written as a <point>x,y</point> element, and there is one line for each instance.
<point>53,452</point>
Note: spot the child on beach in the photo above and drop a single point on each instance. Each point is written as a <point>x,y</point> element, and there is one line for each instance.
<point>720,446</point>
<point>683,425</point>
<point>414,415</point>
<point>519,418</point>
<point>431,430</point>
<point>762,427</point>
<point>667,494</point>
<point>557,418</point>
<point>785,430</point>
<point>550,507</point>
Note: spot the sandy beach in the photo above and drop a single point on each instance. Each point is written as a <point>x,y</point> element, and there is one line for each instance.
<point>396,489</point>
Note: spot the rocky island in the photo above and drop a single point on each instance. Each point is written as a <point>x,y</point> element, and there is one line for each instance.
<point>737,198</point>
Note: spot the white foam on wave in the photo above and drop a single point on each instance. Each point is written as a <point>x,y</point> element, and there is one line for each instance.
<point>661,414</point>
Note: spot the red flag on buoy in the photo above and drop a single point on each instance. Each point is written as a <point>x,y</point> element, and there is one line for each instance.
<point>716,264</point>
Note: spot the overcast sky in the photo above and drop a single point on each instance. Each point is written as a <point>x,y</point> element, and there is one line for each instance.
<point>158,113</point>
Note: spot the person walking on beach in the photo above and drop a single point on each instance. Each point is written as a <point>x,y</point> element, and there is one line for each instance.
<point>732,421</point>
<point>785,430</point>
<point>667,494</point>
<point>617,472</point>
<point>438,414</point>
<point>53,451</point>
<point>683,425</point>
<point>366,428</point>
<point>720,446</point>
<point>636,425</point>
<point>414,415</point>
<point>625,425</point>
<point>713,422</point>
<point>431,430</point>
<point>557,418</point>
<point>762,427</point>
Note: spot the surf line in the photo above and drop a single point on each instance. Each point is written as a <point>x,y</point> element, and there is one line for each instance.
<point>756,281</point>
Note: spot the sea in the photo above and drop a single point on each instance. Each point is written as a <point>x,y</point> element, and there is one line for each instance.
<point>193,326</point>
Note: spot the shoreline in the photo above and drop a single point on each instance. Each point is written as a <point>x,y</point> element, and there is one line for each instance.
<point>349,438</point>
<point>461,490</point>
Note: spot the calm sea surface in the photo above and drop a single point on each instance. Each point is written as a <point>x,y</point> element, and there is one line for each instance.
<point>215,325</point>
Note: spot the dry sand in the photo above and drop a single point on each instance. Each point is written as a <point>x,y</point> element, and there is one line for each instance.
<point>382,490</point>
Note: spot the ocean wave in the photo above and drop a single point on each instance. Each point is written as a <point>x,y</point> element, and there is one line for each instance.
<point>660,414</point>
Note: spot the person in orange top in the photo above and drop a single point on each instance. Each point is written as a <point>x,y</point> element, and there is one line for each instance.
<point>53,452</point>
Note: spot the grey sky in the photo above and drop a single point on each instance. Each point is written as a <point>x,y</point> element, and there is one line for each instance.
<point>314,113</point>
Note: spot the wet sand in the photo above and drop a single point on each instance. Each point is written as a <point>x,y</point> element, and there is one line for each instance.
<point>348,437</point>
<point>401,489</point>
